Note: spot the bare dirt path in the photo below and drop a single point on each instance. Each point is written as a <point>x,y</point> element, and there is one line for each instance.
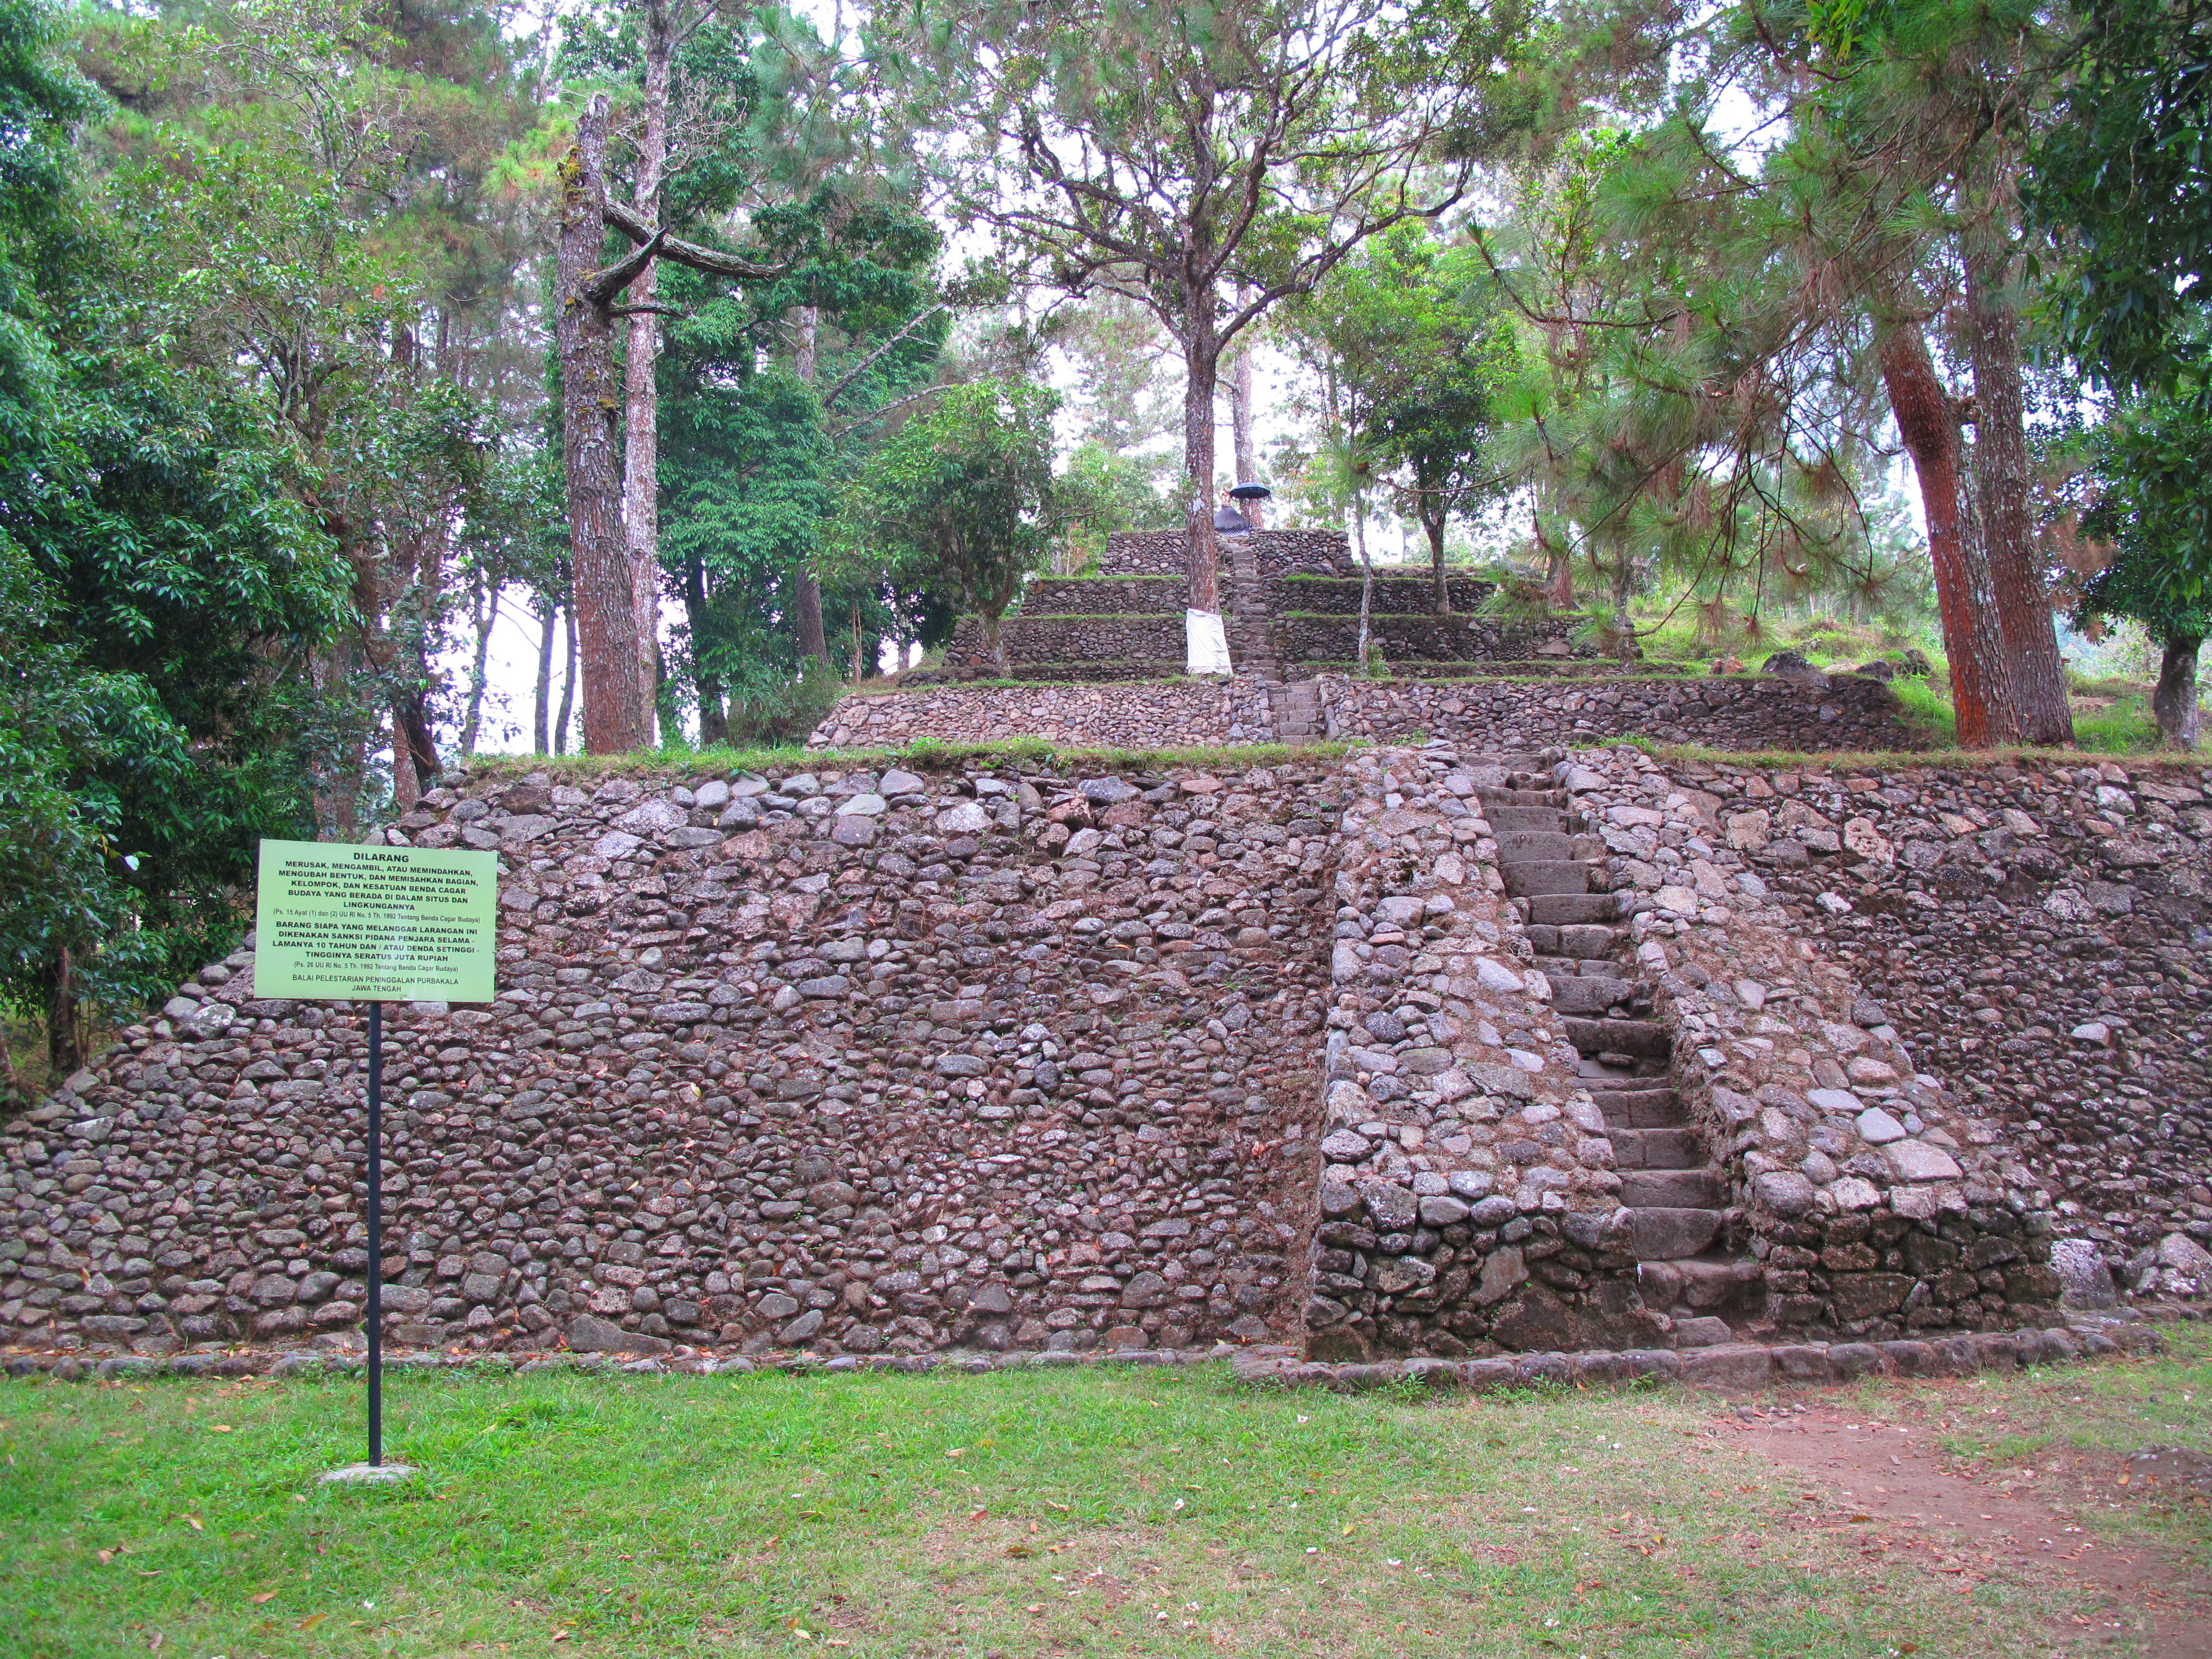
<point>1894,1483</point>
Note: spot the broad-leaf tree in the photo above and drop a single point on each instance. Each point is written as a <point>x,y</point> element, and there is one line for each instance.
<point>1206,161</point>
<point>966,491</point>
<point>2152,459</point>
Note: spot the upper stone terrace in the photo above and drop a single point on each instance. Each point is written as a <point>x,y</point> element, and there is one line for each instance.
<point>1293,598</point>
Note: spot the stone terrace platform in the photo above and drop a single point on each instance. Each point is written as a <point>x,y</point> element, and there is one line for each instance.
<point>1291,599</point>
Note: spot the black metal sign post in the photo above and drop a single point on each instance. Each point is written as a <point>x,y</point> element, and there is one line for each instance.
<point>364,924</point>
<point>376,1235</point>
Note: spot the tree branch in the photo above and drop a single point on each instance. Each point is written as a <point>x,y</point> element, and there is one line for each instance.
<point>868,362</point>
<point>713,261</point>
<point>602,286</point>
<point>859,420</point>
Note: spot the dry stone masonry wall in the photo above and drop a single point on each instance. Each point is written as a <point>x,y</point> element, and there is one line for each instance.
<point>1138,716</point>
<point>2037,935</point>
<point>1277,553</point>
<point>1029,640</point>
<point>1490,716</point>
<point>1392,595</point>
<point>1105,596</point>
<point>875,1061</point>
<point>866,1061</point>
<point>1427,638</point>
<point>1468,1196</point>
<point>1805,712</point>
<point>1879,1198</point>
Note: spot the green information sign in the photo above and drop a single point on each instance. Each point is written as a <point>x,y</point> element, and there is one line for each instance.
<point>374,923</point>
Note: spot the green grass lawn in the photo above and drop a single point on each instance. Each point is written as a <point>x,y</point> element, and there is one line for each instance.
<point>1091,1512</point>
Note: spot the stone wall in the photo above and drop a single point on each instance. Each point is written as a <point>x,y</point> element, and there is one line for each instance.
<point>856,1061</point>
<point>1105,596</point>
<point>1043,639</point>
<point>1188,714</point>
<point>1877,1195</point>
<point>1049,673</point>
<point>2038,935</point>
<point>1015,1058</point>
<point>1314,639</point>
<point>1756,712</point>
<point>1277,552</point>
<point>1492,714</point>
<point>1548,668</point>
<point>1409,596</point>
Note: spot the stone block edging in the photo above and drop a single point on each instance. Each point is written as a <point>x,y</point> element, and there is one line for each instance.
<point>1730,1367</point>
<point>298,1362</point>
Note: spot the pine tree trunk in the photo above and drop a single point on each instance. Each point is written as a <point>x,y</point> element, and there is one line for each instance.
<point>806,592</point>
<point>567,679</point>
<point>2174,703</point>
<point>472,721</point>
<point>616,717</point>
<point>1366,580</point>
<point>411,728</point>
<point>2038,710</point>
<point>406,785</point>
<point>640,397</point>
<point>1202,553</point>
<point>337,795</point>
<point>1558,560</point>
<point>806,615</point>
<point>714,723</point>
<point>540,704</point>
<point>1930,429</point>
<point>1241,442</point>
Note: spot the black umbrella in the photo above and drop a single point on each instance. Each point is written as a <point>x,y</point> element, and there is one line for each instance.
<point>1251,492</point>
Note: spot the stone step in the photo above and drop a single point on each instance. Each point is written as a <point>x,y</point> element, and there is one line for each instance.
<point>1587,994</point>
<point>1679,1148</point>
<point>1602,1074</point>
<point>1641,1108</point>
<point>1704,1284</point>
<point>1643,1039</point>
<point>1541,879</point>
<point>1587,940</point>
<point>1554,799</point>
<point>1534,846</point>
<point>1503,818</point>
<point>1673,1189</point>
<point>1668,1235</point>
<point>1562,909</point>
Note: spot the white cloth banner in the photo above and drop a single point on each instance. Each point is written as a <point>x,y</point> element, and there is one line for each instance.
<point>1208,642</point>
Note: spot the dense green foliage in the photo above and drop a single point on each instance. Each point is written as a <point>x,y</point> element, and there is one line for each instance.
<point>2125,175</point>
<point>965,489</point>
<point>159,592</point>
<point>2152,459</point>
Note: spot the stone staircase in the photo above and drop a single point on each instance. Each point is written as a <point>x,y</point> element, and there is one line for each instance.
<point>1674,1195</point>
<point>1295,706</point>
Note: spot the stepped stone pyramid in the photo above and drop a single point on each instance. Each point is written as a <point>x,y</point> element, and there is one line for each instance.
<point>1292,604</point>
<point>1429,1049</point>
